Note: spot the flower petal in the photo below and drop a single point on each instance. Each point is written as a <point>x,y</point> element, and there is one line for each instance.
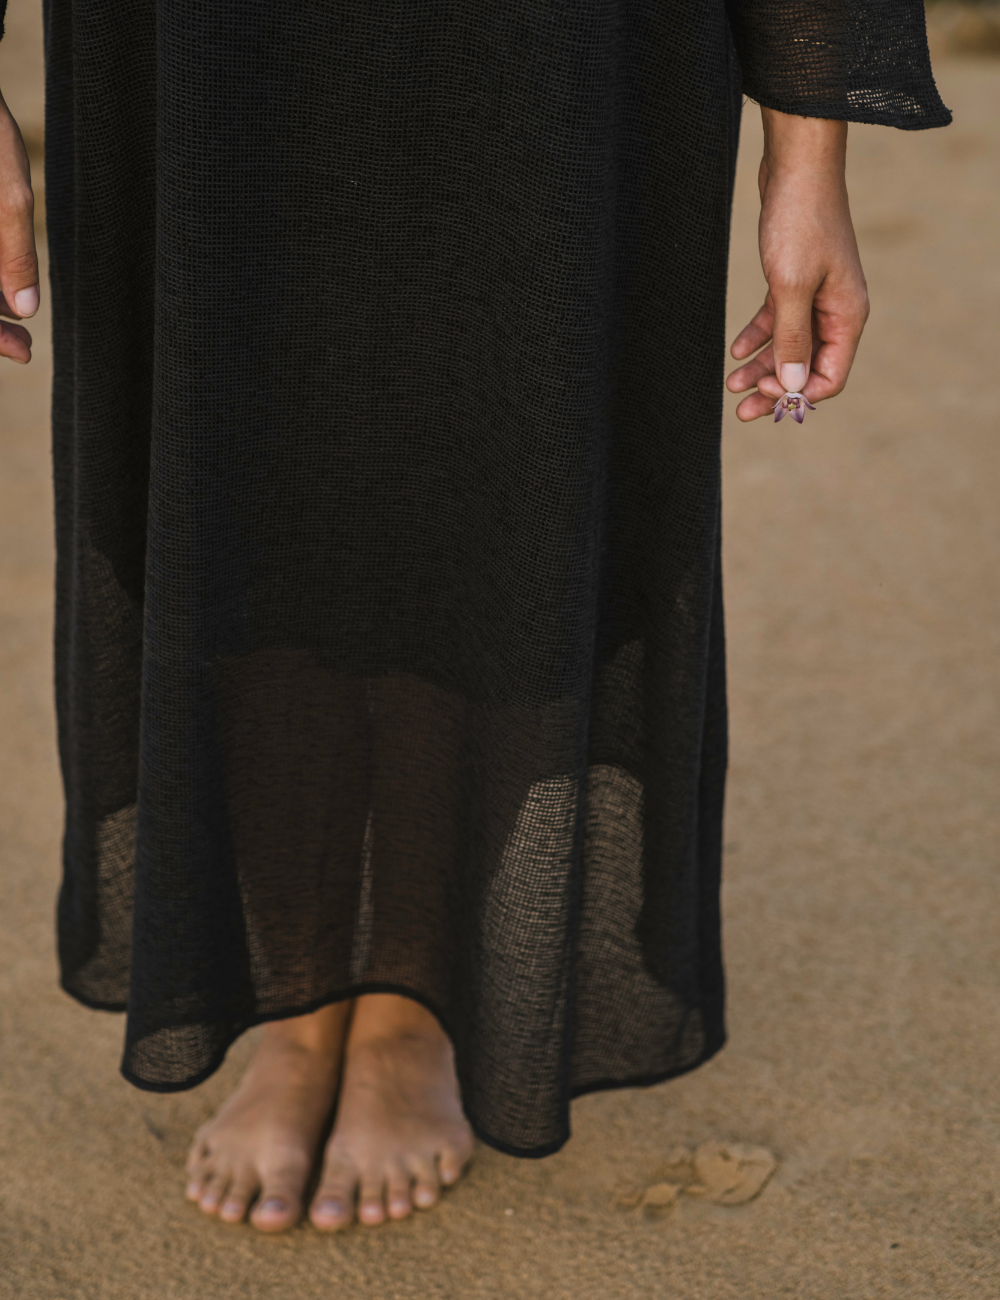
<point>799,414</point>
<point>780,412</point>
<point>808,403</point>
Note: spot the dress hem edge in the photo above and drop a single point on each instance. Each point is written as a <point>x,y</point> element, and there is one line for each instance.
<point>714,1043</point>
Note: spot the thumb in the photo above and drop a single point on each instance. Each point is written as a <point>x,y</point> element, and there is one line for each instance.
<point>792,338</point>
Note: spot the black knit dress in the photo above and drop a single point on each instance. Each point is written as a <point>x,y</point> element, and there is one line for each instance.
<point>389,636</point>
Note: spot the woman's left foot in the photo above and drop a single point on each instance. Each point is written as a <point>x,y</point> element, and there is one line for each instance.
<point>399,1132</point>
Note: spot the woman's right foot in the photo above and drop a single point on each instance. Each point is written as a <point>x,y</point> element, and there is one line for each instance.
<point>260,1148</point>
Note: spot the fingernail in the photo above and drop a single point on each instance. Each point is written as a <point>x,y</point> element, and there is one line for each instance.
<point>794,375</point>
<point>26,301</point>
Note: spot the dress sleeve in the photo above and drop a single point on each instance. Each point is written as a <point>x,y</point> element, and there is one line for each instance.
<point>855,60</point>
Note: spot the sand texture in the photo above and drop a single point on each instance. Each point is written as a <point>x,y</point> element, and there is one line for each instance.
<point>846,1142</point>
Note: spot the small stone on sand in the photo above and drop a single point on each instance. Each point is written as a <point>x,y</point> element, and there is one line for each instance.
<point>661,1196</point>
<point>677,1166</point>
<point>725,1173</point>
<point>730,1173</point>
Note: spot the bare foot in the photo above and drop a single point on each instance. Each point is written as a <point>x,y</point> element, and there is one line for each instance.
<point>400,1131</point>
<point>263,1142</point>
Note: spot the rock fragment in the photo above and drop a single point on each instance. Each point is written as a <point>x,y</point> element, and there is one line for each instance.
<point>660,1197</point>
<point>730,1173</point>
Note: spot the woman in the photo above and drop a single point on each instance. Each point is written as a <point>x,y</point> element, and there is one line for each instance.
<point>390,667</point>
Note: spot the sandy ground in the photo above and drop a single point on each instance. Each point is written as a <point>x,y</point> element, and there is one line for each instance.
<point>863,567</point>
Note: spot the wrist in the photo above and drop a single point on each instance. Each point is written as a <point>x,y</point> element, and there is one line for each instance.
<point>811,145</point>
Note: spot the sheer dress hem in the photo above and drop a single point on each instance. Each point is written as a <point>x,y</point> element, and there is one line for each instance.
<point>714,1042</point>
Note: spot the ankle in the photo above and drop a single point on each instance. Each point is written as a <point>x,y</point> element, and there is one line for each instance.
<point>379,1017</point>
<point>320,1033</point>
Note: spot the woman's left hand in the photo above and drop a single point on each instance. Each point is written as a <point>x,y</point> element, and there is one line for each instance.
<point>817,299</point>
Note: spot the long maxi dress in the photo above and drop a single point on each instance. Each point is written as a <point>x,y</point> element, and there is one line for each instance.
<point>389,342</point>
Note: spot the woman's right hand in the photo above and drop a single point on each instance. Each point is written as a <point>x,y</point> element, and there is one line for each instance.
<point>18,261</point>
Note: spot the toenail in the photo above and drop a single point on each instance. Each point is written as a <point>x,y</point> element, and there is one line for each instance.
<point>423,1197</point>
<point>192,1190</point>
<point>329,1207</point>
<point>232,1207</point>
<point>274,1206</point>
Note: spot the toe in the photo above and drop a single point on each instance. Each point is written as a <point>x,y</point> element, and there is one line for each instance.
<point>397,1194</point>
<point>239,1195</point>
<point>333,1204</point>
<point>280,1202</point>
<point>197,1154</point>
<point>451,1162</point>
<point>197,1169</point>
<point>426,1187</point>
<point>211,1192</point>
<point>371,1201</point>
<point>274,1213</point>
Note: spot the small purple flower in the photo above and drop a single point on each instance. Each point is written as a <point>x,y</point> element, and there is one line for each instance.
<point>793,404</point>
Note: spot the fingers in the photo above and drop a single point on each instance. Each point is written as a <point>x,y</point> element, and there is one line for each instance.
<point>756,334</point>
<point>754,406</point>
<point>15,342</point>
<point>18,260</point>
<point>785,320</point>
<point>838,317</point>
<point>759,373</point>
<point>752,373</point>
<point>792,339</point>
<point>840,322</point>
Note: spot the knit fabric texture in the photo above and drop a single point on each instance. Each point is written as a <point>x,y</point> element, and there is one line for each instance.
<point>854,60</point>
<point>389,342</point>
